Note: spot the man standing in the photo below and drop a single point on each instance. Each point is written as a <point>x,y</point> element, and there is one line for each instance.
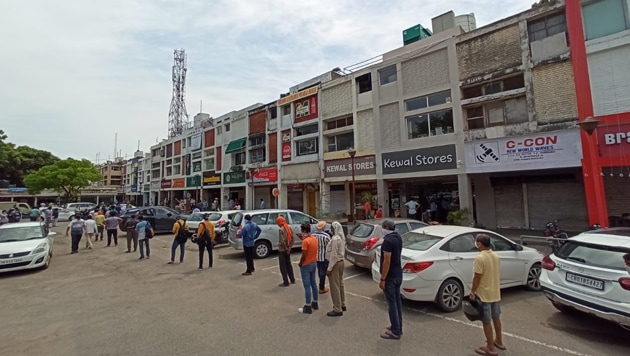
<point>368,209</point>
<point>391,279</point>
<point>335,252</point>
<point>132,234</point>
<point>100,223</point>
<point>262,203</point>
<point>48,214</point>
<point>90,230</point>
<point>34,214</point>
<point>249,234</point>
<point>205,240</point>
<point>76,229</point>
<point>55,216</point>
<point>412,208</point>
<point>308,266</point>
<point>285,242</point>
<point>111,224</point>
<point>486,289</point>
<point>143,240</point>
<point>180,230</point>
<point>322,263</point>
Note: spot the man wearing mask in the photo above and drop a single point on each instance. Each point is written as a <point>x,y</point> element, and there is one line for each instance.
<point>323,239</point>
<point>249,234</point>
<point>391,279</point>
<point>284,252</point>
<point>205,240</point>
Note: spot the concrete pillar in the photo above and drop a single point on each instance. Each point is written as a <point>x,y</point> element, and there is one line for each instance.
<point>324,193</point>
<point>383,196</point>
<point>465,194</point>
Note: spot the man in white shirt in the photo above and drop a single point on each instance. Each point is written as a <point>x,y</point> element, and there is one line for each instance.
<point>90,230</point>
<point>412,208</point>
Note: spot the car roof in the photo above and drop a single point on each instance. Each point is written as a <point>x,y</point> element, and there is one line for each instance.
<point>380,221</point>
<point>21,224</point>
<point>449,230</point>
<point>258,211</point>
<point>608,237</point>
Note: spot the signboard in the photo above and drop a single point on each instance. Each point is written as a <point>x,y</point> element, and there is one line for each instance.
<point>195,142</point>
<point>197,166</point>
<point>134,175</point>
<point>299,95</point>
<point>614,140</point>
<point>306,109</point>
<point>420,160</point>
<point>343,167</point>
<point>295,187</point>
<point>179,183</point>
<point>234,177</point>
<point>263,175</point>
<point>17,190</point>
<point>155,185</point>
<point>556,149</point>
<point>210,178</point>
<point>166,183</point>
<point>193,182</point>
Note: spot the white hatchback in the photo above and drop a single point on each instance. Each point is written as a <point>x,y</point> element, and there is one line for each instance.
<point>25,245</point>
<point>437,264</point>
<point>591,273</point>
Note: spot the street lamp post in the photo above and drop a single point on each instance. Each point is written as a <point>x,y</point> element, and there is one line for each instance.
<point>198,181</point>
<point>352,152</point>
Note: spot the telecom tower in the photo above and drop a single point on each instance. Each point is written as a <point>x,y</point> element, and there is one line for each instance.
<point>178,116</point>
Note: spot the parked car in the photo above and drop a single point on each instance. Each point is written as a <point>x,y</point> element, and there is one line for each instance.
<point>590,273</point>
<point>437,263</point>
<point>80,206</point>
<point>25,245</point>
<point>367,236</point>
<point>23,207</point>
<point>220,219</point>
<point>65,214</point>
<point>161,218</point>
<point>266,220</point>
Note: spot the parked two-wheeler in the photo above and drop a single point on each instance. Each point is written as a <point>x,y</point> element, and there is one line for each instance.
<point>221,231</point>
<point>553,230</point>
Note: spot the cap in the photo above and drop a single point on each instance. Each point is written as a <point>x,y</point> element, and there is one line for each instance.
<point>321,224</point>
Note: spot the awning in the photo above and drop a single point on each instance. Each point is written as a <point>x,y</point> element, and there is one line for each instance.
<point>235,145</point>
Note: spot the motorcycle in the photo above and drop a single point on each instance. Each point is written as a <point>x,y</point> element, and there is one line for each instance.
<point>553,230</point>
<point>221,231</point>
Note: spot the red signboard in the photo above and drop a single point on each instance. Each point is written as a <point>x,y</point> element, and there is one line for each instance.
<point>263,175</point>
<point>286,151</point>
<point>306,109</point>
<point>179,183</point>
<point>166,183</point>
<point>614,140</point>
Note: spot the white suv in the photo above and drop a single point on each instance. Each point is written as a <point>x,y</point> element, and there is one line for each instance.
<point>590,273</point>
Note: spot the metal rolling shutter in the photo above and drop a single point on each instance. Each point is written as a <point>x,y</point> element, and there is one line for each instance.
<point>551,200</point>
<point>295,200</point>
<point>338,203</point>
<point>508,200</point>
<point>617,193</point>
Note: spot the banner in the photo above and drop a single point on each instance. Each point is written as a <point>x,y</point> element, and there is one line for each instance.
<point>263,175</point>
<point>420,160</point>
<point>364,165</point>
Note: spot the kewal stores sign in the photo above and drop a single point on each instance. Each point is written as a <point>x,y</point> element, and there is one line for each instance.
<point>420,160</point>
<point>343,167</point>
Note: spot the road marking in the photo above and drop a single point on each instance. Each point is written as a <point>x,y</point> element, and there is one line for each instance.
<point>354,275</point>
<point>268,268</point>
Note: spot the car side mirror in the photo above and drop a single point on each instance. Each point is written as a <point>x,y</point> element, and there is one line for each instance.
<point>518,247</point>
<point>50,234</point>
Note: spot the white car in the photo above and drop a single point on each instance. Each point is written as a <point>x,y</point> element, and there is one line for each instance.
<point>437,264</point>
<point>590,273</point>
<point>65,214</point>
<point>25,245</point>
<point>218,218</point>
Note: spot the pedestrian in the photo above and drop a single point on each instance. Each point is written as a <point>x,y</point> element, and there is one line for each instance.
<point>55,216</point>
<point>379,213</point>
<point>426,216</point>
<point>100,223</point>
<point>486,289</point>
<point>231,204</point>
<point>143,238</point>
<point>237,205</point>
<point>205,240</point>
<point>76,228</point>
<point>214,205</point>
<point>391,278</point>
<point>196,210</point>
<point>433,208</point>
<point>34,214</point>
<point>48,213</point>
<point>323,239</point>
<point>249,234</point>
<point>90,230</point>
<point>285,234</point>
<point>180,230</point>
<point>4,217</point>
<point>308,266</point>
<point>335,252</point>
<point>132,234</point>
<point>111,224</point>
<point>262,203</point>
<point>368,209</point>
<point>412,208</point>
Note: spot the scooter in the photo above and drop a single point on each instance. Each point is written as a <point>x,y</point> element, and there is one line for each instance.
<point>221,231</point>
<point>556,233</point>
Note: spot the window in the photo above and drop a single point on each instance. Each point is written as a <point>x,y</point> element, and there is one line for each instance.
<point>306,147</point>
<point>196,155</point>
<point>209,164</point>
<point>196,166</point>
<point>422,102</point>
<point>257,155</point>
<point>510,111</point>
<point>258,140</point>
<point>259,219</point>
<point>169,171</point>
<point>273,112</point>
<point>500,244</point>
<point>364,83</point>
<point>219,130</point>
<point>298,219</point>
<point>209,152</point>
<point>547,27</point>
<point>401,228</point>
<point>286,110</point>
<point>495,113</point>
<point>463,243</point>
<point>227,127</point>
<point>604,17</point>
<point>239,158</point>
<point>184,143</point>
<point>307,130</point>
<point>177,170</point>
<point>178,160</point>
<point>475,118</point>
<point>430,124</point>
<point>388,74</point>
<point>497,86</point>
<point>339,123</point>
<point>492,88</point>
<point>592,255</point>
<point>341,142</point>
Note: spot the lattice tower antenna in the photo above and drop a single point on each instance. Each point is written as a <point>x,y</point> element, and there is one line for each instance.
<point>178,116</point>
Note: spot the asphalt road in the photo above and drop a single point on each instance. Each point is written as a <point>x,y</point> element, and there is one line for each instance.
<point>107,302</point>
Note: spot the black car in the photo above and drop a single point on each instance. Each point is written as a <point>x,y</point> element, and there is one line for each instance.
<point>161,218</point>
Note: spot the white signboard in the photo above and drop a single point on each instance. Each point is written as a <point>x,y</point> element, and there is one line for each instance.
<point>555,149</point>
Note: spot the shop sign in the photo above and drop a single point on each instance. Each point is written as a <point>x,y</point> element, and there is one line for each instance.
<point>195,142</point>
<point>193,182</point>
<point>420,160</point>
<point>299,95</point>
<point>179,183</point>
<point>210,178</point>
<point>263,175</point>
<point>556,149</point>
<point>343,167</point>
<point>155,186</point>
<point>234,177</point>
<point>365,186</point>
<point>295,187</point>
<point>614,140</point>
<point>286,151</point>
<point>197,166</point>
<point>306,109</point>
<point>166,184</point>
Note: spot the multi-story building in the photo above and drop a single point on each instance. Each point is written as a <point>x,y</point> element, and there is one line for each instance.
<point>133,179</point>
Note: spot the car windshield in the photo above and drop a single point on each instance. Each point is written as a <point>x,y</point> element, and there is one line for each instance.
<point>418,241</point>
<point>362,230</point>
<point>195,217</point>
<point>21,233</point>
<point>596,256</point>
<point>237,219</point>
<point>172,211</point>
<point>215,216</point>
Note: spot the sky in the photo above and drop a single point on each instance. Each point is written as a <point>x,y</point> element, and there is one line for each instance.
<point>74,74</point>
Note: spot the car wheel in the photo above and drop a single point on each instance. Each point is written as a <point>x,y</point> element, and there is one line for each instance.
<point>71,217</point>
<point>262,249</point>
<point>533,277</point>
<point>450,295</point>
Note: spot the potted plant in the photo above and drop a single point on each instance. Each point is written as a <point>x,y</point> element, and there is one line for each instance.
<point>458,217</point>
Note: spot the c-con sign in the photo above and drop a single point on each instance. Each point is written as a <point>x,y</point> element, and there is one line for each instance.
<point>533,142</point>
<point>617,138</point>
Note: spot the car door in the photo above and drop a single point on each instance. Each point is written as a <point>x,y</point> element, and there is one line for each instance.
<point>164,219</point>
<point>513,266</point>
<point>261,219</point>
<point>298,219</point>
<point>272,228</point>
<point>149,215</point>
<point>462,252</point>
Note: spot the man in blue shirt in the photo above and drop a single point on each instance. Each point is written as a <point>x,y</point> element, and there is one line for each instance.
<point>249,234</point>
<point>391,278</point>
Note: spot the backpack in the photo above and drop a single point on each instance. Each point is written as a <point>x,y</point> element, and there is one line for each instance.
<point>182,234</point>
<point>77,227</point>
<point>148,231</point>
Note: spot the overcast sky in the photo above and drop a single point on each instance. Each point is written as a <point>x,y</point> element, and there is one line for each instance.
<point>73,73</point>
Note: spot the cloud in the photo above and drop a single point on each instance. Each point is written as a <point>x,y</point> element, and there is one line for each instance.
<point>75,73</point>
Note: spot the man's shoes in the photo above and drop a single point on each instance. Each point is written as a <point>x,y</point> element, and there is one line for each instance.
<point>334,313</point>
<point>127,251</point>
<point>200,267</point>
<point>141,258</point>
<point>170,263</point>
<point>253,270</point>
<point>305,310</point>
<point>283,285</point>
<point>323,291</point>
<point>343,308</point>
<point>315,306</point>
<point>293,281</point>
<point>246,274</point>
<point>73,252</point>
<point>148,257</point>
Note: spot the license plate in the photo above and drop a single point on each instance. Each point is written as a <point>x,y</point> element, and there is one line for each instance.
<point>350,258</point>
<point>11,261</point>
<point>585,281</point>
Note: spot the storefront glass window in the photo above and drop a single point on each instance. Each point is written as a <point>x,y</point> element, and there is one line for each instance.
<point>431,124</point>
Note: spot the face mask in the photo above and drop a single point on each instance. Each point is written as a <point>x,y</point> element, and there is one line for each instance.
<point>387,232</point>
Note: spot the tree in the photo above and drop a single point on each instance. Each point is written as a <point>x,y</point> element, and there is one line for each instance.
<point>18,162</point>
<point>67,177</point>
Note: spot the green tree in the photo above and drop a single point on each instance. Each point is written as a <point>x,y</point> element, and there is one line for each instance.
<point>67,177</point>
<point>17,162</point>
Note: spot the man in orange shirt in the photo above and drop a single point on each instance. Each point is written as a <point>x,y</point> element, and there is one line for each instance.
<point>368,209</point>
<point>308,266</point>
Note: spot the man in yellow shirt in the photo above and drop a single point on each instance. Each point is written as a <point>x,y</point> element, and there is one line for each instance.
<point>180,230</point>
<point>99,219</point>
<point>205,239</point>
<point>486,289</point>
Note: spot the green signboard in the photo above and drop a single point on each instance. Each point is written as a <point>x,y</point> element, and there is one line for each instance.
<point>234,177</point>
<point>193,182</point>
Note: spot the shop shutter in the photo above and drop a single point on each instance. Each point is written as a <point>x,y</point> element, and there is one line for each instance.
<point>508,199</point>
<point>295,200</point>
<point>564,201</point>
<point>617,193</point>
<point>338,203</point>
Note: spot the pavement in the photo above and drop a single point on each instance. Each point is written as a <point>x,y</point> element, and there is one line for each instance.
<point>106,302</point>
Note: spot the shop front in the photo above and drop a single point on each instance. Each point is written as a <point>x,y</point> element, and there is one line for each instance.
<point>211,188</point>
<point>338,185</point>
<point>193,188</point>
<point>614,150</point>
<point>261,186</point>
<point>233,188</point>
<point>307,176</point>
<point>178,191</point>
<point>165,196</point>
<point>526,181</point>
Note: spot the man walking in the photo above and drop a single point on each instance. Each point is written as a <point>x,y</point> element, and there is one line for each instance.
<point>90,230</point>
<point>322,263</point>
<point>55,216</point>
<point>76,229</point>
<point>100,223</point>
<point>132,234</point>
<point>249,234</point>
<point>284,252</point>
<point>335,252</point>
<point>180,230</point>
<point>391,279</point>
<point>48,215</point>
<point>111,224</point>
<point>262,203</point>
<point>308,265</point>
<point>143,240</point>
<point>486,290</point>
<point>205,240</point>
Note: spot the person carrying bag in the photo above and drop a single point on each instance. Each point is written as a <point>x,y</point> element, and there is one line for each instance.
<point>205,240</point>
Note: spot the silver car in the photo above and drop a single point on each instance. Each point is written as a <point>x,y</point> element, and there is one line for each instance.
<point>266,220</point>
